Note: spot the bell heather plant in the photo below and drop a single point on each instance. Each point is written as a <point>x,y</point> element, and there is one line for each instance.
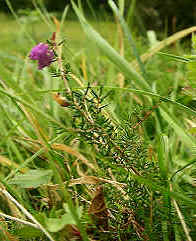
<point>118,149</point>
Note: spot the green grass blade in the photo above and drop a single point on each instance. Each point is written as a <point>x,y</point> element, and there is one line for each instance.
<point>64,16</point>
<point>121,4</point>
<point>130,14</point>
<point>92,9</point>
<point>165,42</point>
<point>182,168</point>
<point>128,35</point>
<point>30,159</point>
<point>17,19</point>
<point>110,52</point>
<point>175,57</point>
<point>187,140</point>
<point>163,152</point>
<point>136,91</point>
<point>43,16</point>
<point>37,110</point>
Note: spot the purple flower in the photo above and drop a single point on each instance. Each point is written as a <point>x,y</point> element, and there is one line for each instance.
<point>43,54</point>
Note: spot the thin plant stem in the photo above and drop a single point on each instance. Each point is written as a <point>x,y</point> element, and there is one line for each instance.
<point>136,91</point>
<point>181,217</point>
<point>7,194</point>
<point>42,150</point>
<point>186,229</point>
<point>19,220</point>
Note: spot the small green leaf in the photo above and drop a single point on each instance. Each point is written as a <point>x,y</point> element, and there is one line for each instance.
<point>163,152</point>
<point>32,179</point>
<point>78,209</point>
<point>57,224</point>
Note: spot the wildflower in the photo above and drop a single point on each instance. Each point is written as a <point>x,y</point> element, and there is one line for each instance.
<point>43,54</point>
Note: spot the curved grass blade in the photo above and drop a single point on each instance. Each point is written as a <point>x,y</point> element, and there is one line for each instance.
<point>164,43</point>
<point>178,129</point>
<point>136,91</point>
<point>175,57</point>
<point>64,16</point>
<point>110,52</point>
<point>30,106</point>
<point>128,35</point>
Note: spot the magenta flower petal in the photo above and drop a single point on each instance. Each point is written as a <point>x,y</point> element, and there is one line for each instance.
<point>43,54</point>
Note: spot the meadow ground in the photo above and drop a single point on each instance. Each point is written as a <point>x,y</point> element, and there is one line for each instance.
<point>118,163</point>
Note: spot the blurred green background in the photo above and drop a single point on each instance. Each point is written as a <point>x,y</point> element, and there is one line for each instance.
<point>151,14</point>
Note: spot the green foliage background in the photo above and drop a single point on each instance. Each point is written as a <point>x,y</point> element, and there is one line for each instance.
<point>155,14</point>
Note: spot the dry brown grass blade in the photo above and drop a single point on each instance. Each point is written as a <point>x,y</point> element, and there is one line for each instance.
<point>121,78</point>
<point>4,161</point>
<point>57,24</point>
<point>79,170</point>
<point>170,40</point>
<point>67,149</point>
<point>182,219</point>
<point>76,79</point>
<point>94,180</point>
<point>12,208</point>
<point>32,147</point>
<point>71,151</point>
<point>83,67</point>
<point>35,124</point>
<point>85,180</point>
<point>8,236</point>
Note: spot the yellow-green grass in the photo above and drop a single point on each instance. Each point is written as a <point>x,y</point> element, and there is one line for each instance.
<point>13,37</point>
